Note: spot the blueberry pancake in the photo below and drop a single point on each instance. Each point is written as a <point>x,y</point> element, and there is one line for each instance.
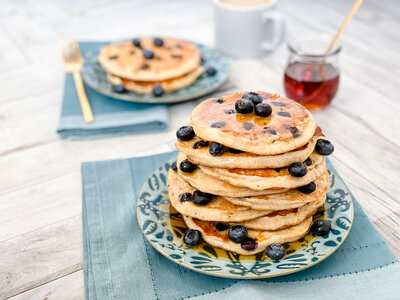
<point>198,152</point>
<point>263,179</point>
<point>187,201</point>
<point>150,59</point>
<point>260,123</point>
<point>167,85</point>
<point>250,173</point>
<point>285,218</point>
<point>293,198</point>
<point>257,241</point>
<point>209,184</point>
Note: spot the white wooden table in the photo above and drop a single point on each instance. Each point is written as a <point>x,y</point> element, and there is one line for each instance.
<point>40,181</point>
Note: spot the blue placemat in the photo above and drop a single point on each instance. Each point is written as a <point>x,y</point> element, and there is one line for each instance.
<point>112,117</point>
<point>120,264</point>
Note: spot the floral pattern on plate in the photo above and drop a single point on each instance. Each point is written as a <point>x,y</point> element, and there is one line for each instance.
<point>164,228</point>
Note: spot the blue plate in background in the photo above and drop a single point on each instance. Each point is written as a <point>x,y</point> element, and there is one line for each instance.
<point>96,77</point>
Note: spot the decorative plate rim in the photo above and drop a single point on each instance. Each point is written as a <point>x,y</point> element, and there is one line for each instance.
<point>263,276</point>
<point>165,99</point>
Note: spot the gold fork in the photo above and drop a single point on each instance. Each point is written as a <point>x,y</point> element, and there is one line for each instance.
<point>72,63</point>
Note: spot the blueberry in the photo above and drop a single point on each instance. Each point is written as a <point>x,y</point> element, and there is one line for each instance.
<point>218,124</point>
<point>308,162</point>
<point>297,169</point>
<point>253,97</point>
<point>235,151</point>
<point>277,103</point>
<point>269,130</point>
<point>211,71</point>
<point>185,133</point>
<point>192,237</point>
<point>249,244</point>
<point>294,131</point>
<point>158,42</point>
<point>219,101</point>
<point>136,42</point>
<point>230,111</point>
<point>321,227</point>
<point>275,251</point>
<point>221,226</point>
<point>200,144</point>
<point>308,188</point>
<point>158,90</point>
<point>148,54</point>
<point>324,147</point>
<point>118,88</point>
<point>187,167</point>
<point>237,234</point>
<point>247,125</point>
<point>200,198</point>
<point>185,197</point>
<point>263,109</point>
<point>216,149</point>
<point>175,55</point>
<point>174,166</point>
<point>283,114</point>
<point>244,106</point>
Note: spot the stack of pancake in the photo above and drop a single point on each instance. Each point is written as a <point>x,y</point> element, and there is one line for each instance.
<point>265,173</point>
<point>151,65</point>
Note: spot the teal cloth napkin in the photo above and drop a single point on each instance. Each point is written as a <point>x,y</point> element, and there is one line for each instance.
<point>120,264</point>
<point>112,117</point>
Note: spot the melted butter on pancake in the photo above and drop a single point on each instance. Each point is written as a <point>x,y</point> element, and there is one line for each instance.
<point>268,173</point>
<point>209,229</point>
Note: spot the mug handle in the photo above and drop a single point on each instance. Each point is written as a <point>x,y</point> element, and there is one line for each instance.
<point>277,19</point>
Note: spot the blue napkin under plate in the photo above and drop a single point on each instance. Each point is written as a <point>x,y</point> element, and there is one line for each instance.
<point>120,264</point>
<point>112,117</point>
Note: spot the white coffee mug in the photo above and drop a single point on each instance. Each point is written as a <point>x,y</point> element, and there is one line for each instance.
<point>247,31</point>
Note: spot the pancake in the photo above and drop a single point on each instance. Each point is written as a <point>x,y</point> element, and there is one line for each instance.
<point>285,218</point>
<point>173,59</point>
<point>219,209</point>
<point>264,238</point>
<point>288,200</point>
<point>168,85</point>
<point>246,160</point>
<point>290,126</point>
<point>213,185</point>
<point>263,179</point>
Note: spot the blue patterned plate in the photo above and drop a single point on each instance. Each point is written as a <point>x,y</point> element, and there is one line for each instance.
<point>163,227</point>
<point>96,77</point>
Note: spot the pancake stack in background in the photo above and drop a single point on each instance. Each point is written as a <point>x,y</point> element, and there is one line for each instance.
<point>250,173</point>
<point>151,65</point>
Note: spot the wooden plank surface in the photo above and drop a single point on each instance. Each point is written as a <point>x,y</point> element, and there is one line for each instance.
<point>40,189</point>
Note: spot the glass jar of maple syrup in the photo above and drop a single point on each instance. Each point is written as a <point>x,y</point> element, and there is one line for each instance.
<point>312,76</point>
